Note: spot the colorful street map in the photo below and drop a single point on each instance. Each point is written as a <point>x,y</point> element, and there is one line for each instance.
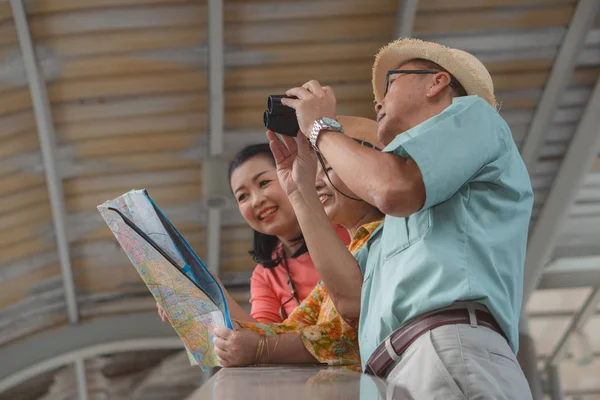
<point>179,281</point>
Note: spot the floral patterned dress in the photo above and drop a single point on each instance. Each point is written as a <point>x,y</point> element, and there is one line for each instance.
<point>325,334</point>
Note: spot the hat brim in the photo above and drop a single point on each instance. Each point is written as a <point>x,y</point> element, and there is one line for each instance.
<point>457,62</point>
<point>360,128</point>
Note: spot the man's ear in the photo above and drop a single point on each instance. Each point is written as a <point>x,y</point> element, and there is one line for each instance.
<point>439,82</point>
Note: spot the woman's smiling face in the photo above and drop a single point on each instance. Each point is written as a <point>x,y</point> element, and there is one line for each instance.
<point>260,198</point>
<point>337,206</point>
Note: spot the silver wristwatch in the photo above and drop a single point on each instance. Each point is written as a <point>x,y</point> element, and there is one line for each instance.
<point>321,124</point>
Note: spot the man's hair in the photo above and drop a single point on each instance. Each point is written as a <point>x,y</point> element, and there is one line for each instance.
<point>459,90</point>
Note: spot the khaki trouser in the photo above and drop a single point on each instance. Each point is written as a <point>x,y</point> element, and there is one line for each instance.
<point>459,362</point>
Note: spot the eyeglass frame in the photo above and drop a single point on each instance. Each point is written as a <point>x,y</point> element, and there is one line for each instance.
<point>414,72</point>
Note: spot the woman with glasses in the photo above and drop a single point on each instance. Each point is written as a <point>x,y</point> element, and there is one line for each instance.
<point>285,274</point>
<point>315,332</point>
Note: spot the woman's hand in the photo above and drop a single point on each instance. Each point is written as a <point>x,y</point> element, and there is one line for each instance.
<point>235,348</point>
<point>296,163</point>
<point>161,313</point>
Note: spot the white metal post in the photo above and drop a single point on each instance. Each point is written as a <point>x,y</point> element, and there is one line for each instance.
<point>216,96</point>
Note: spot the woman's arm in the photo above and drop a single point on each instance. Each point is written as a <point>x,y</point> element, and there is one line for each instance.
<point>296,169</point>
<point>240,348</point>
<point>300,339</point>
<point>286,349</point>
<point>235,310</point>
<point>336,265</point>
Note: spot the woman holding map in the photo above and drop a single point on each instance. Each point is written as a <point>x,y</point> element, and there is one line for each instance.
<point>314,332</point>
<point>285,274</point>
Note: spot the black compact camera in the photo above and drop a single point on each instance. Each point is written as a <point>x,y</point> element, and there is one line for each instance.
<point>279,118</point>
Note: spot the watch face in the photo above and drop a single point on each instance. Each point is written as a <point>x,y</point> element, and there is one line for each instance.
<point>332,122</point>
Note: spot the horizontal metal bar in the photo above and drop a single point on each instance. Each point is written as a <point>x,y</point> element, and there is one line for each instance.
<point>58,347</point>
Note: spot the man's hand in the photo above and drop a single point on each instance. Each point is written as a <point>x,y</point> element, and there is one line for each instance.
<point>314,101</point>
<point>296,163</point>
<point>235,348</point>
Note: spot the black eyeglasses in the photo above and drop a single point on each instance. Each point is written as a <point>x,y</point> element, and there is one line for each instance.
<point>414,72</point>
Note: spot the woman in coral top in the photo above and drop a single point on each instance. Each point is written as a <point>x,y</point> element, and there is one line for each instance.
<point>285,274</point>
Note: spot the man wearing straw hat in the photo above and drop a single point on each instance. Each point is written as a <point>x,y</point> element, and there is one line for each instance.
<point>440,293</point>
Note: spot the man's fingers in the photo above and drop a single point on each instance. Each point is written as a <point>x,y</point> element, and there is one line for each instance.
<point>313,87</point>
<point>300,92</point>
<point>293,103</point>
<point>328,90</point>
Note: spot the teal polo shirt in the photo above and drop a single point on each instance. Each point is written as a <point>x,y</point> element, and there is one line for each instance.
<point>467,242</point>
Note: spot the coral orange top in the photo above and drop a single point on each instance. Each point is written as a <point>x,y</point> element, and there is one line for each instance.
<point>269,288</point>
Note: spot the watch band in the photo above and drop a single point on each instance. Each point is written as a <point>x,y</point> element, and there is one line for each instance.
<point>319,125</point>
<point>314,133</point>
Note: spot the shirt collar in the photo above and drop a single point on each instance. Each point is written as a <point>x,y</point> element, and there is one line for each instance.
<point>458,104</point>
<point>366,230</point>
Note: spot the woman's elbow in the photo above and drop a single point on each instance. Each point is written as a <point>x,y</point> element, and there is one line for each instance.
<point>349,310</point>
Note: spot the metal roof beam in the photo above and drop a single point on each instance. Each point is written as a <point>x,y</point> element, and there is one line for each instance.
<point>405,19</point>
<point>577,323</point>
<point>559,78</point>
<point>577,162</point>
<point>45,125</point>
<point>571,272</point>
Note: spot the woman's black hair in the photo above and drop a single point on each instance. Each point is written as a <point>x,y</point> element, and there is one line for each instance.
<point>265,245</point>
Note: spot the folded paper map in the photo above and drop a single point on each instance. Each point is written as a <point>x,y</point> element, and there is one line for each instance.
<point>177,278</point>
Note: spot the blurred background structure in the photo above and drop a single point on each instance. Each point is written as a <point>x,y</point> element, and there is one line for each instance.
<point>98,97</point>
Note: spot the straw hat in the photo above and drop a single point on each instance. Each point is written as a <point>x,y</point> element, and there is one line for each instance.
<point>467,69</point>
<point>360,128</point>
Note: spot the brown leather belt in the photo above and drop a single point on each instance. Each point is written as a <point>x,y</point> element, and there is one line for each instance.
<point>380,361</point>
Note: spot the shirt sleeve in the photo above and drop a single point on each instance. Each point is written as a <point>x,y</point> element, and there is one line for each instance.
<point>332,341</point>
<point>264,301</point>
<point>452,148</point>
<point>307,313</point>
